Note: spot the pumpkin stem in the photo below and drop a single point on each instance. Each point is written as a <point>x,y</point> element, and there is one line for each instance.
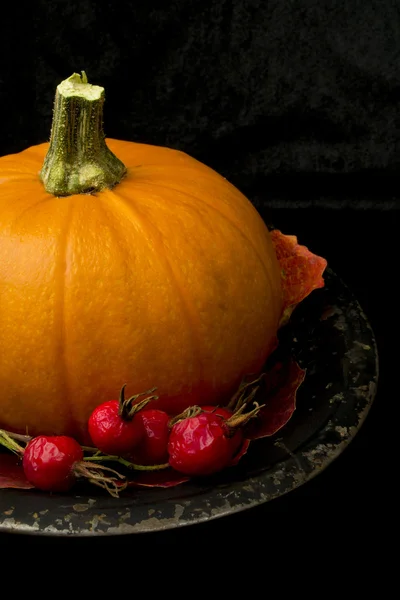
<point>78,160</point>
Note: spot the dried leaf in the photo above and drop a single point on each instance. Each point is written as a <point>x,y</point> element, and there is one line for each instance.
<point>161,479</point>
<point>241,452</point>
<point>279,397</point>
<point>302,271</point>
<point>12,474</point>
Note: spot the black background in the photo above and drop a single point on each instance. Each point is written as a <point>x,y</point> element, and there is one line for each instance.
<point>296,103</point>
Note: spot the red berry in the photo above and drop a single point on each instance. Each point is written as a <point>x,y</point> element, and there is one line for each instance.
<point>48,462</point>
<point>111,433</point>
<point>152,449</point>
<point>113,426</point>
<point>202,444</point>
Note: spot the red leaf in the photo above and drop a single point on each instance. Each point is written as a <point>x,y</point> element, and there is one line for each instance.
<point>302,271</point>
<point>279,397</point>
<point>161,479</point>
<point>12,474</point>
<point>241,452</point>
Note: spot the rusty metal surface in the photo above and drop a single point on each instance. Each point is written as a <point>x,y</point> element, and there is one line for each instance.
<point>330,336</point>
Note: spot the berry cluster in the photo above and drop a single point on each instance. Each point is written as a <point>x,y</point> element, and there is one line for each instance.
<point>201,441</point>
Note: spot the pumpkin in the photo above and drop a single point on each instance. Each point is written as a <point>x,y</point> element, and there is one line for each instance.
<point>124,263</point>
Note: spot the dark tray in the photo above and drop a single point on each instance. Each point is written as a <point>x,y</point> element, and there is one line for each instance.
<point>331,338</point>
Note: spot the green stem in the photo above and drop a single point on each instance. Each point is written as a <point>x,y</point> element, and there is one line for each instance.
<point>126,463</point>
<point>78,160</point>
<point>10,444</point>
<point>19,437</point>
<point>90,449</point>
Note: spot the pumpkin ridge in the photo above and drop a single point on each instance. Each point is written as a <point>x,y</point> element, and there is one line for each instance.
<point>190,316</point>
<point>62,328</point>
<point>226,218</point>
<point>105,208</point>
<point>213,207</point>
<point>26,210</point>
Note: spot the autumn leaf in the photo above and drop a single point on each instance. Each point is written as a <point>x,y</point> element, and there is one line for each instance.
<point>302,271</point>
<point>11,473</point>
<point>161,479</point>
<point>242,451</point>
<point>279,397</point>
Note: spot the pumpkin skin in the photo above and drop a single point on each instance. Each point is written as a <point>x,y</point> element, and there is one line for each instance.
<point>169,279</point>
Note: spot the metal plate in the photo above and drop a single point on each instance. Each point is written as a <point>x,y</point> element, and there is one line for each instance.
<point>329,336</point>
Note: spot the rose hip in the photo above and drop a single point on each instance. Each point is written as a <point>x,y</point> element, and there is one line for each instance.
<point>203,444</point>
<point>113,426</point>
<point>48,462</point>
<point>204,440</point>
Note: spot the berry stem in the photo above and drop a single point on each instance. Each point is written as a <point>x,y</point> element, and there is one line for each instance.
<point>8,442</point>
<point>125,463</point>
<point>98,475</point>
<point>90,449</point>
<point>20,438</point>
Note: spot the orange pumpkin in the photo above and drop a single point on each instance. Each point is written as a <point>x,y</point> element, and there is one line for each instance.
<point>162,275</point>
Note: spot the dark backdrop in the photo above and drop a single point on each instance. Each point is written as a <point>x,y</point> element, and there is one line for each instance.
<point>297,103</point>
<point>251,87</point>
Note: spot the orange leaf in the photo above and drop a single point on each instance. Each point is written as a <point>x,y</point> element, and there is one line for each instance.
<point>302,271</point>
